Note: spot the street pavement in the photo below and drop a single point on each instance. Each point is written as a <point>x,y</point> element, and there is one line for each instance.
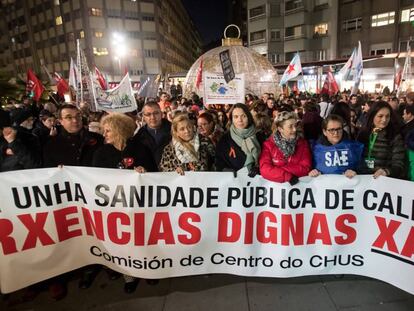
<point>225,292</point>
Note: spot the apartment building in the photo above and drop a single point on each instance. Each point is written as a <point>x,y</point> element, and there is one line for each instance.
<point>329,29</point>
<point>382,26</point>
<point>278,29</point>
<point>141,36</point>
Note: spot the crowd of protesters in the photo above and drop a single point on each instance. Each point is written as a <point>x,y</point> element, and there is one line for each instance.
<point>282,139</point>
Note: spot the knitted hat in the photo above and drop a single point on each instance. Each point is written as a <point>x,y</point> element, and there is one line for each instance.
<point>19,115</point>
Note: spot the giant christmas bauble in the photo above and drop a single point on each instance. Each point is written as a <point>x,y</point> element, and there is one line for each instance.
<point>260,76</point>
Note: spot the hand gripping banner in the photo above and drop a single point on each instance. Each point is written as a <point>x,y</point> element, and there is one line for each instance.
<point>160,225</point>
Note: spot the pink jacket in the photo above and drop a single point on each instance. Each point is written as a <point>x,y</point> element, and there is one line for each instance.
<point>275,167</point>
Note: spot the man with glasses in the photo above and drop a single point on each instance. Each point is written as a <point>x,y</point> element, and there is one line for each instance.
<point>156,133</point>
<point>73,145</point>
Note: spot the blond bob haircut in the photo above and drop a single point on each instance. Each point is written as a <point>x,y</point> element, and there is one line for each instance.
<point>122,126</point>
<point>178,118</point>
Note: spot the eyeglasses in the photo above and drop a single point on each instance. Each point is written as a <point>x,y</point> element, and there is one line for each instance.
<point>154,114</point>
<point>70,118</point>
<point>337,130</point>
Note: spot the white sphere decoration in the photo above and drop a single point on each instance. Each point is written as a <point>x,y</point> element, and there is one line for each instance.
<point>260,75</point>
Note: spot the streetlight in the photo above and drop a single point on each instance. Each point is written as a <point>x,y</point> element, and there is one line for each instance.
<point>118,47</point>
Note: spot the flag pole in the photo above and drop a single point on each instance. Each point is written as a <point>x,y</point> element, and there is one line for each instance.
<point>79,72</point>
<point>304,83</point>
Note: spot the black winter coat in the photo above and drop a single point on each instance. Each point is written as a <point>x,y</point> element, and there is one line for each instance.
<point>229,156</point>
<point>109,157</point>
<point>22,153</point>
<point>144,137</point>
<point>71,149</point>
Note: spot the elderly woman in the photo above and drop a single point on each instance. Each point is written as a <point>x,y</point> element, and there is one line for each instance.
<point>188,151</point>
<point>384,151</point>
<point>285,157</point>
<point>334,153</point>
<point>239,147</point>
<point>116,153</point>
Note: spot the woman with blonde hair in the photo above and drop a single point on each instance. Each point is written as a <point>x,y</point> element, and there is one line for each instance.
<point>117,153</point>
<point>187,151</point>
<point>285,156</point>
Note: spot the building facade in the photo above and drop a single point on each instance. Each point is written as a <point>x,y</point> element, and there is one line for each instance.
<point>384,27</point>
<point>279,29</point>
<point>139,36</point>
<point>329,29</point>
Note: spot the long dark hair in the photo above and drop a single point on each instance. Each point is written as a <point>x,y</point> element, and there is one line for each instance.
<point>392,128</point>
<point>245,110</point>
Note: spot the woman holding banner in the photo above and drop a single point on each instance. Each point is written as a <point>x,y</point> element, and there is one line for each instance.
<point>240,146</point>
<point>117,153</point>
<point>333,153</point>
<point>285,156</point>
<point>384,151</point>
<point>188,151</point>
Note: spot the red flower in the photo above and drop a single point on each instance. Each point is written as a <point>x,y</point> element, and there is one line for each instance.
<point>128,162</point>
<point>92,142</point>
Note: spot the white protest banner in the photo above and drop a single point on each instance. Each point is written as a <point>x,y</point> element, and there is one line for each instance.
<point>217,91</point>
<point>160,225</point>
<point>119,99</point>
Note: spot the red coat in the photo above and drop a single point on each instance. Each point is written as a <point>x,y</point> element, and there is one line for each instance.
<point>275,167</point>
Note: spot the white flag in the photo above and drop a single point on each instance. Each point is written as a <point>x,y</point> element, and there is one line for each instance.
<point>353,66</point>
<point>73,75</point>
<point>358,65</point>
<point>292,70</point>
<point>119,99</point>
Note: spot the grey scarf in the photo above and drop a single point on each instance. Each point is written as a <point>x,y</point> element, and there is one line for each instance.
<point>246,139</point>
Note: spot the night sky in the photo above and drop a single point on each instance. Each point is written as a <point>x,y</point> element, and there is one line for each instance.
<point>209,16</point>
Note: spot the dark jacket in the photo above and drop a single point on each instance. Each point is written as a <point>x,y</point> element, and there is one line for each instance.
<point>42,132</point>
<point>71,149</point>
<point>406,128</point>
<point>389,153</point>
<point>229,156</point>
<point>312,125</point>
<point>145,138</point>
<point>109,157</point>
<point>22,153</point>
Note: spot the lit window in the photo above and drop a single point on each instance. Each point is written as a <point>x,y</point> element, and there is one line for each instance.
<point>57,2</point>
<point>100,51</point>
<point>59,20</point>
<point>321,29</point>
<point>98,34</point>
<point>407,15</point>
<point>82,34</point>
<point>381,48</point>
<point>382,19</point>
<point>95,12</point>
